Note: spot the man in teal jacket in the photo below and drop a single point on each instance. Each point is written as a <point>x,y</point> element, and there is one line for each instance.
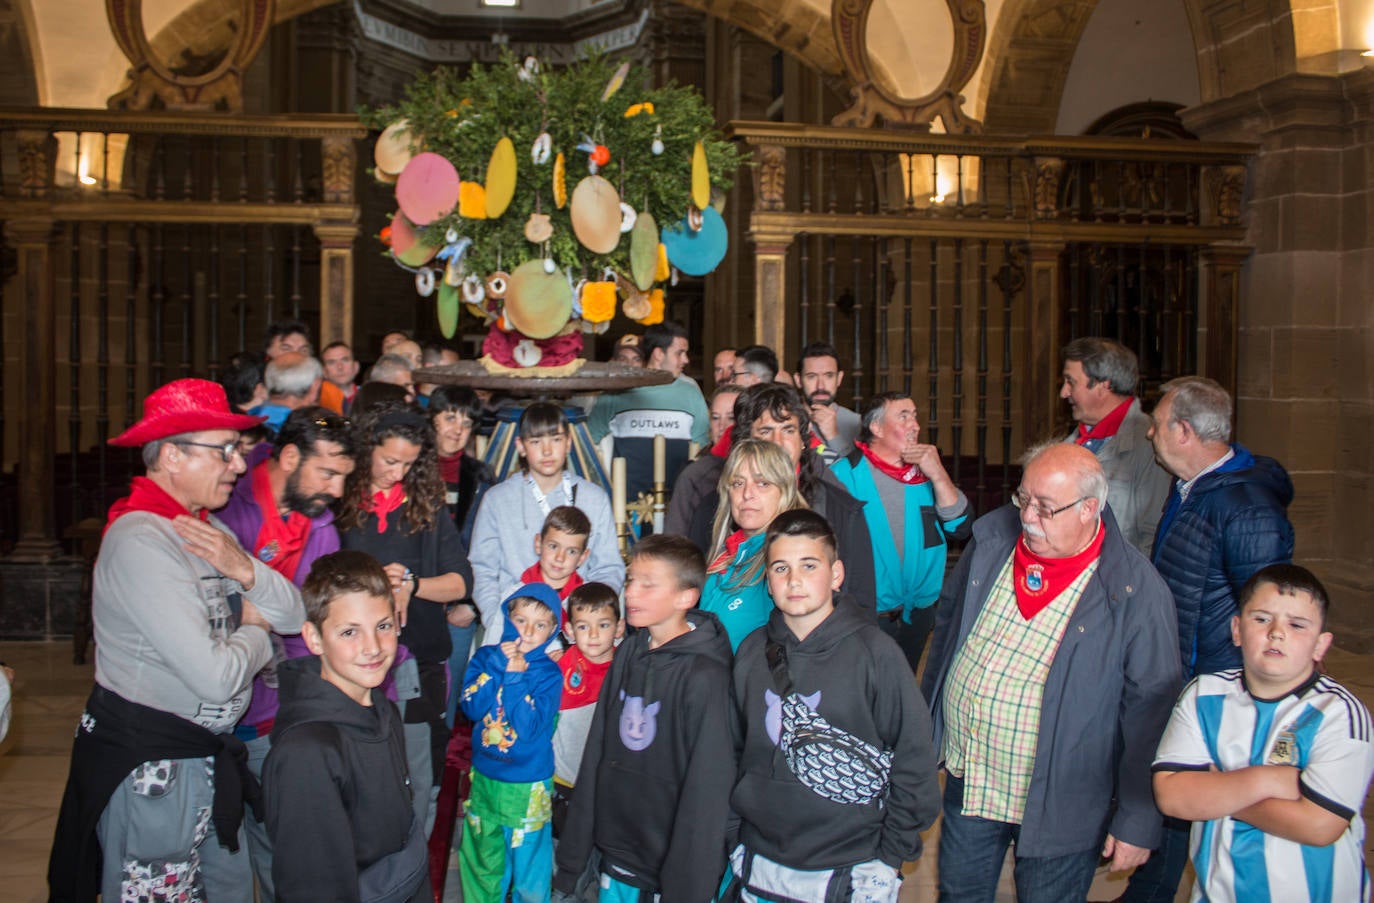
<point>913,510</point>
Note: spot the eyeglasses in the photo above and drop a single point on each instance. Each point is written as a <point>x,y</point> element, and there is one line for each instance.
<point>226,451</point>
<point>1023,502</point>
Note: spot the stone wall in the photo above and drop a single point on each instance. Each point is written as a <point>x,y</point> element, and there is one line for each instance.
<point>1305,394</point>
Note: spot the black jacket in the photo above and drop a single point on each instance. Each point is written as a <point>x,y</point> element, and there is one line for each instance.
<point>657,807</point>
<point>865,688</point>
<point>336,787</point>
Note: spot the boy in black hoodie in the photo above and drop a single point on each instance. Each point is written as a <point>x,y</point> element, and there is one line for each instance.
<point>338,795</point>
<point>826,808</point>
<point>653,791</point>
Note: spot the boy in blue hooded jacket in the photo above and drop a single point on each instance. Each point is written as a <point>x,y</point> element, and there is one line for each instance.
<point>511,693</point>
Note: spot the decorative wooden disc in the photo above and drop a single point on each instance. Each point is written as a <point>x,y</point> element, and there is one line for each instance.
<point>392,152</point>
<point>427,189</point>
<point>596,214</point>
<point>538,304</point>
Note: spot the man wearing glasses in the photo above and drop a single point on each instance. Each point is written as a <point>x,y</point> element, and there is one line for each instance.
<point>280,513</point>
<point>183,617</point>
<point>1051,676</point>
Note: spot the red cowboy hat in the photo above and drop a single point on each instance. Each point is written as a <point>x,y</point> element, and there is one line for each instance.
<point>184,406</point>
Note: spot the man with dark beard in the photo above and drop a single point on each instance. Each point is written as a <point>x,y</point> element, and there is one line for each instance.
<point>818,376</point>
<point>279,511</point>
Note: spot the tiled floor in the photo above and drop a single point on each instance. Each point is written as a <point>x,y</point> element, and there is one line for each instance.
<point>50,691</point>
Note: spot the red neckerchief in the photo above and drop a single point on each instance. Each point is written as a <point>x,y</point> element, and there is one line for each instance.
<point>280,542</point>
<point>1038,581</point>
<point>145,495</point>
<point>1105,428</point>
<point>722,447</point>
<point>383,503</point>
<point>534,575</point>
<point>581,679</point>
<point>909,474</point>
<point>449,467</point>
<point>732,544</point>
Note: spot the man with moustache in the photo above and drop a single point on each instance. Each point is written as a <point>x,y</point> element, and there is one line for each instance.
<point>280,513</point>
<point>818,376</point>
<point>183,617</point>
<point>1051,676</point>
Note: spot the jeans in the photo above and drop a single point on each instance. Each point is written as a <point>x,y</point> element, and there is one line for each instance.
<point>1157,880</point>
<point>912,636</point>
<point>457,667</point>
<point>259,844</point>
<point>971,854</point>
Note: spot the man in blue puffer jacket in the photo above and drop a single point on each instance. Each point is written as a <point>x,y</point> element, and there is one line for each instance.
<point>1224,520</point>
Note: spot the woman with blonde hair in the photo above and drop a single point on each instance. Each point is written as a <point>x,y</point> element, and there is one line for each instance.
<point>757,484</point>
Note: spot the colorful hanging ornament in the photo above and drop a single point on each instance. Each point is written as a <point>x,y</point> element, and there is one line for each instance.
<point>560,185</point>
<point>538,228</point>
<point>616,81</point>
<point>657,147</point>
<point>500,188</point>
<point>542,149</point>
<point>701,176</point>
<point>424,282</point>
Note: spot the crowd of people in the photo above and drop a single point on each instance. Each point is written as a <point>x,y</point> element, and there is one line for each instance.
<point>323,628</point>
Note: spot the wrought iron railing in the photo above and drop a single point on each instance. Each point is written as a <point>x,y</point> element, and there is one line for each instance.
<point>953,268</point>
<point>150,246</point>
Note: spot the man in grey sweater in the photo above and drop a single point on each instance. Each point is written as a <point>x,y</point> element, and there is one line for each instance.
<point>182,619</point>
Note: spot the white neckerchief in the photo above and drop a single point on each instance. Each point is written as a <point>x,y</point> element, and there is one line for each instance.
<point>542,500</point>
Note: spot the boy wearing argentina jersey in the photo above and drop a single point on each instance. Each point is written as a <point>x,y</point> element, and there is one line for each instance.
<point>1271,762</point>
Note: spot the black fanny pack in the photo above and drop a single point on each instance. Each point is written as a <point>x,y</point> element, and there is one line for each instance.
<point>827,760</point>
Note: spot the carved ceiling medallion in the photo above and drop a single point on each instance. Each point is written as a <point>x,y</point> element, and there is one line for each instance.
<point>872,99</point>
<point>212,83</point>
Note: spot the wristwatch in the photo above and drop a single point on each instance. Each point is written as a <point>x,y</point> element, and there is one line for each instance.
<point>414,584</point>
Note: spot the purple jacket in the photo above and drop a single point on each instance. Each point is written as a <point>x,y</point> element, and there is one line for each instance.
<point>243,516</point>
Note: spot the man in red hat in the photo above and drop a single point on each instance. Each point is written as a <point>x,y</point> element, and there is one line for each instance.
<point>182,616</point>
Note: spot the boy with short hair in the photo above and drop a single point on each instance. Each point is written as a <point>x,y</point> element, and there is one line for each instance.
<point>1271,761</point>
<point>835,817</point>
<point>593,626</point>
<point>511,695</point>
<point>338,796</point>
<point>653,790</point>
<point>561,545</point>
<point>515,509</point>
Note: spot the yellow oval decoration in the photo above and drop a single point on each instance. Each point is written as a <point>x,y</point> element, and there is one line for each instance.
<point>701,177</point>
<point>560,184</point>
<point>662,270</point>
<point>472,201</point>
<point>596,215</point>
<point>500,178</point>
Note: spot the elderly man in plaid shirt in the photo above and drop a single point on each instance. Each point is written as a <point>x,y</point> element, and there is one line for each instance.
<point>1051,676</point>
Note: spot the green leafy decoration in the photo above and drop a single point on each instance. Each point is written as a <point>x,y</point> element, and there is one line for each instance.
<point>462,118</point>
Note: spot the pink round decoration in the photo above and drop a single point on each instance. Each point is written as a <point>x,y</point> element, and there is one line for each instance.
<point>427,189</point>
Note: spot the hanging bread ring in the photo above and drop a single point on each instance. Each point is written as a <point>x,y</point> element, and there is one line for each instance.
<point>694,218</point>
<point>497,283</point>
<point>473,290</point>
<point>424,282</point>
<point>451,237</point>
<point>627,217</point>
<point>542,149</point>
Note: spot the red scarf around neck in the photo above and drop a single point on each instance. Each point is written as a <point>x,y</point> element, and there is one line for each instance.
<point>909,474</point>
<point>1105,428</point>
<point>1039,581</point>
<point>383,503</point>
<point>582,679</point>
<point>280,541</point>
<point>727,555</point>
<point>534,574</point>
<point>145,495</point>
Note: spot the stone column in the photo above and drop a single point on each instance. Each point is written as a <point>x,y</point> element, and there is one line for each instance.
<point>31,301</point>
<point>1044,313</point>
<point>770,288</point>
<point>336,280</point>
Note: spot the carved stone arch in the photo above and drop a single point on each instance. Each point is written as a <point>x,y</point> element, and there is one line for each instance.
<point>19,64</point>
<point>1239,46</point>
<point>792,26</point>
